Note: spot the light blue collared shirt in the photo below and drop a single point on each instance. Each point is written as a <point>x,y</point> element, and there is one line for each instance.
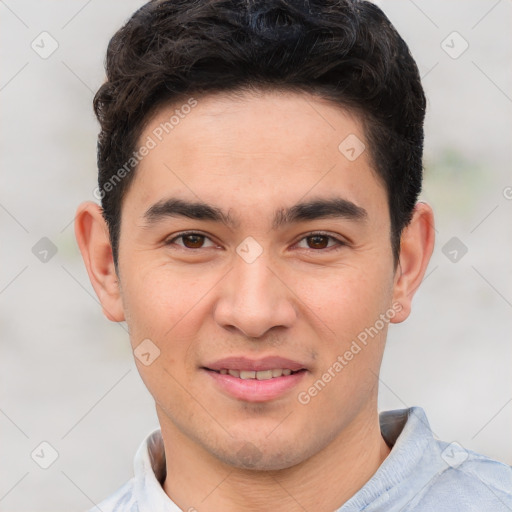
<point>420,474</point>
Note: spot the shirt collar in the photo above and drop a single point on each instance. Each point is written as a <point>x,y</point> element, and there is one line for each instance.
<point>150,471</point>
<point>414,460</point>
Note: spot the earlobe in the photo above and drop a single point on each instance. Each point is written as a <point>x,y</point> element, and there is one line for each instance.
<point>416,246</point>
<point>92,237</point>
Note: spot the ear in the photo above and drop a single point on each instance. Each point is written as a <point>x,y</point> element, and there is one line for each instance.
<point>416,246</point>
<point>91,233</point>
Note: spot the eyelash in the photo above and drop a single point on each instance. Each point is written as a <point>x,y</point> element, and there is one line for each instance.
<point>339,243</point>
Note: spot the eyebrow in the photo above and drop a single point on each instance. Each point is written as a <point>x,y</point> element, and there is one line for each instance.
<point>336,207</point>
<point>314,209</point>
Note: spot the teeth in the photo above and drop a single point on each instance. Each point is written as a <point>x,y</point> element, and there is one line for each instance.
<point>260,375</point>
<point>264,375</point>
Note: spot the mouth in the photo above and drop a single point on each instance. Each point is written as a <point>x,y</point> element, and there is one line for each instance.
<point>274,373</point>
<point>260,380</point>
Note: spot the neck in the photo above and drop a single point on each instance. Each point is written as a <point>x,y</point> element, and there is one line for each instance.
<point>197,481</point>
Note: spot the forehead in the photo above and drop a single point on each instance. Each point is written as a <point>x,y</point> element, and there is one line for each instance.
<point>255,149</point>
<point>284,123</point>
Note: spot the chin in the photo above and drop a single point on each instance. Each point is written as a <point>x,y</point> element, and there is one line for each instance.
<point>250,457</point>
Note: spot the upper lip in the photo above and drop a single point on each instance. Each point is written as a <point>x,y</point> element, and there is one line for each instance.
<point>247,364</point>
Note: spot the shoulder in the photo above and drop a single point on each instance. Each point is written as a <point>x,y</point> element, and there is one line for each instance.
<point>470,482</point>
<point>123,500</point>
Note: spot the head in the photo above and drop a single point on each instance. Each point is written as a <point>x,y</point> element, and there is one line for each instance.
<point>259,169</point>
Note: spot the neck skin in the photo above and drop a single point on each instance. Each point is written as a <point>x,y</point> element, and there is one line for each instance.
<point>198,481</point>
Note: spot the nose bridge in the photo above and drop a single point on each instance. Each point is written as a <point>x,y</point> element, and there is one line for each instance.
<point>255,299</point>
<point>253,282</point>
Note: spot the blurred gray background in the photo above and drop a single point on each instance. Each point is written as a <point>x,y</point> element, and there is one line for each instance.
<point>67,373</point>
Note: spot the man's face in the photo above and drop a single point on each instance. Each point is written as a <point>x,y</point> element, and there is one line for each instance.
<point>267,284</point>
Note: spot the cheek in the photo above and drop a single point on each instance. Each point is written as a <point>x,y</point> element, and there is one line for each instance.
<point>344,301</point>
<point>350,345</point>
<point>162,307</point>
<point>167,307</point>
<point>157,299</point>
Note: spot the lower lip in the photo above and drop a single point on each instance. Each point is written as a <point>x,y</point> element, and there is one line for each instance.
<point>254,390</point>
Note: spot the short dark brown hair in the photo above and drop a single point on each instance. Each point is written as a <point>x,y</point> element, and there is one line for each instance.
<point>345,51</point>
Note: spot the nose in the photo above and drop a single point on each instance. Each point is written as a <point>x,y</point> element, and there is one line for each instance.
<point>254,299</point>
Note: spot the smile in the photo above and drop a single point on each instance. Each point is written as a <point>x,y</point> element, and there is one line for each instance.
<point>255,386</point>
<point>258,375</point>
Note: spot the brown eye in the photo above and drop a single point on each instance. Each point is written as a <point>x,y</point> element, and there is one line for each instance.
<point>193,241</point>
<point>318,241</point>
<point>321,242</point>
